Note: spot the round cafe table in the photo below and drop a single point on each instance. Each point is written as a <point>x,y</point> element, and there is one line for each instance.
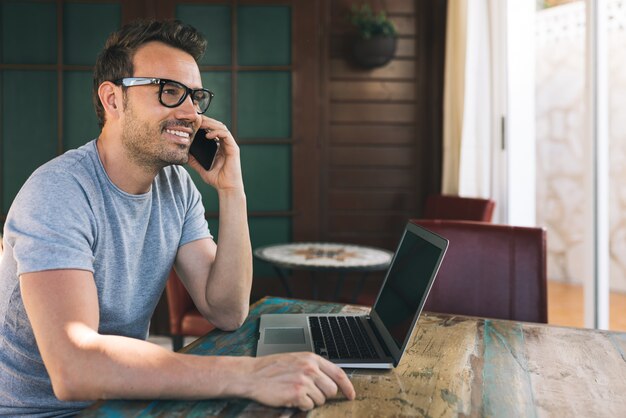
<point>324,257</point>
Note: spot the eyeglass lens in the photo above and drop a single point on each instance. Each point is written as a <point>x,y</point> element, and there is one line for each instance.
<point>173,94</point>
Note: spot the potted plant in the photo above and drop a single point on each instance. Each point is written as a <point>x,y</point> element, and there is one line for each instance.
<point>375,41</point>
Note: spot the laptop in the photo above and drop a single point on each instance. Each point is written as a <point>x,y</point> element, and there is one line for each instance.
<point>376,340</point>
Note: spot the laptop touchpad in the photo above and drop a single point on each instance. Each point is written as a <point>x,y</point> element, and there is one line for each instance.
<point>284,336</point>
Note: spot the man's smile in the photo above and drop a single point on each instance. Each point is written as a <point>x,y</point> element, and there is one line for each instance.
<point>179,136</point>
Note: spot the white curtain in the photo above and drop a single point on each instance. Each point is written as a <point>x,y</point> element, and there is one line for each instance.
<point>467,100</point>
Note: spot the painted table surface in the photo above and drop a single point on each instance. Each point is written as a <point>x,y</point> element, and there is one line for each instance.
<point>325,256</point>
<point>454,366</point>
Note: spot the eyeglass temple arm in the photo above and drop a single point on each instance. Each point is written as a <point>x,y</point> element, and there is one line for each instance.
<point>129,82</point>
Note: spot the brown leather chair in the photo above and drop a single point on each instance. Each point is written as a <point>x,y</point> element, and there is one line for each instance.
<point>185,319</point>
<point>494,271</point>
<point>440,206</point>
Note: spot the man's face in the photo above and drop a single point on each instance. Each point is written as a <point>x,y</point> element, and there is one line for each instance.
<point>153,135</point>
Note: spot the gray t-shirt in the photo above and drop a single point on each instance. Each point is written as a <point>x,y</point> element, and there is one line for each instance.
<point>69,215</point>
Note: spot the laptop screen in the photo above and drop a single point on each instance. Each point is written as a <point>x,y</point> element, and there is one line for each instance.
<point>407,284</point>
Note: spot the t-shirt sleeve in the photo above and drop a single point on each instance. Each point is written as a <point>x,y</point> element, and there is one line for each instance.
<point>50,224</point>
<point>195,225</point>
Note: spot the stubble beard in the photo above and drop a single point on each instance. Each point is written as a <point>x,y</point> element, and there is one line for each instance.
<point>145,146</point>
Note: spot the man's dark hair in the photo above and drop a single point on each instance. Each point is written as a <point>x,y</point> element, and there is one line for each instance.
<point>116,59</point>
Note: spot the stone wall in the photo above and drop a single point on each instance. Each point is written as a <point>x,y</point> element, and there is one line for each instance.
<point>561,170</point>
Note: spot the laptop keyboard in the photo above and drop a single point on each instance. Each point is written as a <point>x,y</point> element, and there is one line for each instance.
<point>340,337</point>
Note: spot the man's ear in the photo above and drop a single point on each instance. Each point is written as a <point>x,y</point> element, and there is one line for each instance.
<point>111,99</point>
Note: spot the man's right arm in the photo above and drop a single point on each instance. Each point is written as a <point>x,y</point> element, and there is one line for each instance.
<point>62,306</point>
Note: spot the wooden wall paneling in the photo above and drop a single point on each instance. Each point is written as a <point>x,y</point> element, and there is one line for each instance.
<point>399,70</point>
<point>363,229</point>
<point>327,29</point>
<point>362,134</point>
<point>399,6</point>
<point>373,112</point>
<point>372,90</point>
<point>405,25</point>
<point>384,178</point>
<point>368,223</point>
<point>145,9</point>
<point>369,192</point>
<point>393,8</point>
<point>430,54</point>
<point>355,200</point>
<point>306,115</point>
<point>405,48</point>
<point>372,156</point>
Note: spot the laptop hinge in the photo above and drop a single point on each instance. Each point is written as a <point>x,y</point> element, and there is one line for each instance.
<point>379,337</point>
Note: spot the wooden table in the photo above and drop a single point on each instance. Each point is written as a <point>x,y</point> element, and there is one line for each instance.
<point>455,366</point>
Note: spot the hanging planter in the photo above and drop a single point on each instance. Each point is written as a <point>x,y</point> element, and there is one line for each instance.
<point>375,42</point>
<point>373,52</point>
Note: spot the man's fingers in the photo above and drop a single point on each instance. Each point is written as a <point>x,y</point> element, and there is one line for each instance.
<point>206,119</point>
<point>219,134</point>
<point>307,380</point>
<point>213,125</point>
<point>326,385</point>
<point>339,377</point>
<point>315,395</point>
<point>305,403</point>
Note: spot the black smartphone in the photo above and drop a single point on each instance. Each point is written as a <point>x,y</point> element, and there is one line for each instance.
<point>203,149</point>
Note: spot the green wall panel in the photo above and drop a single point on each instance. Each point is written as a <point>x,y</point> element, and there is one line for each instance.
<point>267,176</point>
<point>29,127</point>
<point>215,24</point>
<point>85,29</point>
<point>29,33</point>
<point>219,82</point>
<point>264,35</point>
<point>264,104</point>
<point>209,195</point>
<point>266,231</point>
<point>263,231</point>
<point>214,227</point>
<point>80,124</point>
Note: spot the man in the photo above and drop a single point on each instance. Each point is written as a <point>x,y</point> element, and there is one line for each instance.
<point>90,238</point>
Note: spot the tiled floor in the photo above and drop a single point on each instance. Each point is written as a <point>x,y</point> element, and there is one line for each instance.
<point>566,306</point>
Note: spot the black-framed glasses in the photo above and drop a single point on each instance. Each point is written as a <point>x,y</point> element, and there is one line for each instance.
<point>172,93</point>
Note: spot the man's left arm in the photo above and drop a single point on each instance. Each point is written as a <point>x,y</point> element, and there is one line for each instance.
<point>219,277</point>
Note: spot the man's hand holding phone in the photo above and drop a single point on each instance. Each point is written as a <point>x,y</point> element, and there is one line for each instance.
<point>214,154</point>
<point>203,149</point>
